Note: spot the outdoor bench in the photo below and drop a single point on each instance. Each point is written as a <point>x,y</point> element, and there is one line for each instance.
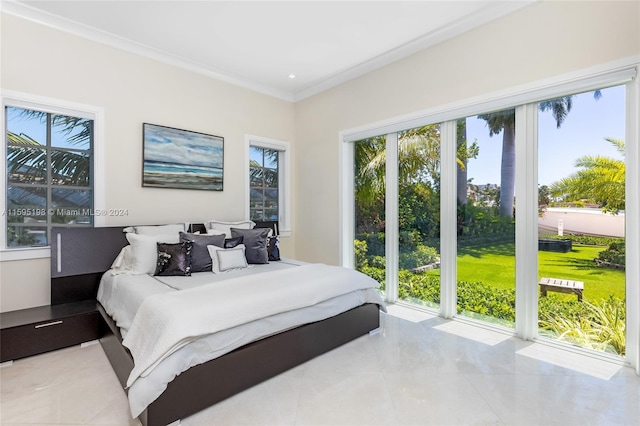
<point>561,286</point>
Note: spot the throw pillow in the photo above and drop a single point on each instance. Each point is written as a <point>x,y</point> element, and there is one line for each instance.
<point>174,259</point>
<point>200,259</point>
<point>255,242</point>
<point>224,260</point>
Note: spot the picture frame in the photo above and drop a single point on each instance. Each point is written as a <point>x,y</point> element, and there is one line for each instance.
<point>181,159</point>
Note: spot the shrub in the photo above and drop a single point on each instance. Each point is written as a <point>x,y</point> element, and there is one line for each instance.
<point>588,240</point>
<point>598,325</point>
<point>420,256</point>
<point>486,300</point>
<point>615,254</point>
<point>360,251</point>
<point>601,327</point>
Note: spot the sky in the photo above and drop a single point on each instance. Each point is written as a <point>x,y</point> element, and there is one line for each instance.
<point>582,133</point>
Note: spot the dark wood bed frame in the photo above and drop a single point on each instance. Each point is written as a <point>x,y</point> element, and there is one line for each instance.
<point>79,258</point>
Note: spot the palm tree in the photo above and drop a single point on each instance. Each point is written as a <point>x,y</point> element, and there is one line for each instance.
<point>418,161</point>
<point>27,163</point>
<point>600,179</point>
<point>504,121</point>
<point>464,153</point>
<point>27,158</point>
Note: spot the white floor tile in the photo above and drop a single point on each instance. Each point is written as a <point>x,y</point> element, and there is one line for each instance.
<point>418,370</point>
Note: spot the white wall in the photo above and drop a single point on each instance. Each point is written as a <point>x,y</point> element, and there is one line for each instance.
<point>587,221</point>
<point>542,41</point>
<point>41,61</point>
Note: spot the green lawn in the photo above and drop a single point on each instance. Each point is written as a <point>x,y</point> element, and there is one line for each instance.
<point>495,265</point>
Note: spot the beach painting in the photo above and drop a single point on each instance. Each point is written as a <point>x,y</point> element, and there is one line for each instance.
<point>175,158</point>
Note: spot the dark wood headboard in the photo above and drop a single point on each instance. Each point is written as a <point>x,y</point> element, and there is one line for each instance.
<point>79,257</point>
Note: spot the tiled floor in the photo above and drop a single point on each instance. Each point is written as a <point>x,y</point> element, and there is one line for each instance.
<point>418,370</point>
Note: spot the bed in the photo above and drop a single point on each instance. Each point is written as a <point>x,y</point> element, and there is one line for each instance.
<point>81,260</point>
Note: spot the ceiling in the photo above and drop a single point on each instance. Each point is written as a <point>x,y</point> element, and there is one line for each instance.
<point>259,44</point>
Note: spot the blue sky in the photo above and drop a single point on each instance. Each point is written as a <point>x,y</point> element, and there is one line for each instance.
<point>582,133</point>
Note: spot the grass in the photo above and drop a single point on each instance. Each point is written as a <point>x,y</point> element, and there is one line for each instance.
<point>495,265</point>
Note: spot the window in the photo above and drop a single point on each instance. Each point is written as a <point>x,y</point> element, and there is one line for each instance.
<point>268,177</point>
<point>52,171</point>
<point>263,183</point>
<point>48,174</point>
<point>490,267</point>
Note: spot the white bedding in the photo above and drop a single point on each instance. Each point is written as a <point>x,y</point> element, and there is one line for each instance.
<point>123,295</point>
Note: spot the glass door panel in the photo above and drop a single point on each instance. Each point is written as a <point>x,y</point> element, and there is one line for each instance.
<point>486,218</point>
<point>369,192</point>
<point>581,241</point>
<point>419,215</point>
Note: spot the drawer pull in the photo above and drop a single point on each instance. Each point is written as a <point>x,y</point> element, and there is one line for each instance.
<point>48,324</point>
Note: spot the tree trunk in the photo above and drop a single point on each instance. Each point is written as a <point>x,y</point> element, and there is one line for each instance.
<point>461,188</point>
<point>508,170</point>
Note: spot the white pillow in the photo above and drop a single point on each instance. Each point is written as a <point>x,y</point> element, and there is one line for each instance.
<point>225,227</point>
<point>122,264</point>
<point>156,229</point>
<point>223,260</point>
<point>144,251</point>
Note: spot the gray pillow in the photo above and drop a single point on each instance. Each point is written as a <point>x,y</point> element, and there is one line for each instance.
<point>200,259</point>
<point>255,242</point>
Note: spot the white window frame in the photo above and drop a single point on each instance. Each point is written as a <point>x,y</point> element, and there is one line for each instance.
<point>284,178</point>
<point>524,99</point>
<point>56,106</point>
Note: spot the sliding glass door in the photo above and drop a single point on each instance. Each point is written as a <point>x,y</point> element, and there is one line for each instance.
<point>515,217</point>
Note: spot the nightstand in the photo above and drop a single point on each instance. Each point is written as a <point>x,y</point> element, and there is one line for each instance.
<point>33,331</point>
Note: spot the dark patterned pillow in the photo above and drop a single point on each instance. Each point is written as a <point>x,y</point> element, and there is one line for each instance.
<point>200,259</point>
<point>255,242</point>
<point>174,259</point>
<point>232,242</point>
<point>273,248</point>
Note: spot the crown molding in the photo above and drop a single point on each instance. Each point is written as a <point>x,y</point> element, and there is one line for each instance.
<point>469,22</point>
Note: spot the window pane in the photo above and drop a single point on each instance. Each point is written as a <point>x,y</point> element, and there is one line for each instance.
<point>70,198</point>
<point>419,215</point>
<point>256,176</point>
<point>581,226</point>
<point>26,165</point>
<point>256,155</point>
<point>270,214</point>
<point>25,236</point>
<point>369,179</point>
<point>18,196</point>
<point>70,168</point>
<point>270,177</point>
<point>71,132</point>
<point>271,158</point>
<point>486,222</point>
<point>26,204</point>
<point>26,126</point>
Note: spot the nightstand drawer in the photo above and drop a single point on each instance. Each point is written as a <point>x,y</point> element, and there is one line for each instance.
<point>43,336</point>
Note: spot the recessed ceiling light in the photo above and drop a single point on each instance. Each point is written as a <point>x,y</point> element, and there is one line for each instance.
<point>292,75</point>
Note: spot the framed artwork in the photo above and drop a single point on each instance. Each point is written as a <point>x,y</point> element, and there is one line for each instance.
<point>174,158</point>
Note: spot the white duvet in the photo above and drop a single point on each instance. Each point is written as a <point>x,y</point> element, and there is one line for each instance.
<point>171,331</point>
